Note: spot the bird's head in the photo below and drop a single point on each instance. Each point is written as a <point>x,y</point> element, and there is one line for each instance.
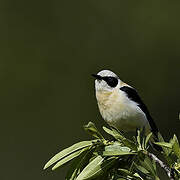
<point>106,80</point>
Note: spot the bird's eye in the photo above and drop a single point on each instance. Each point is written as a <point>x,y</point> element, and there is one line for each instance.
<point>111,81</point>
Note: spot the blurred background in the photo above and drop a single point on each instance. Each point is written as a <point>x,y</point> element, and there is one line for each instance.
<point>49,49</point>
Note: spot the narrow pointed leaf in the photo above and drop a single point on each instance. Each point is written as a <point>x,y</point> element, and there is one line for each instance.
<point>113,133</point>
<point>67,151</point>
<point>154,165</point>
<point>138,176</point>
<point>117,147</point>
<point>121,138</point>
<point>91,129</point>
<point>95,168</point>
<point>117,153</point>
<point>139,140</point>
<point>176,147</point>
<point>141,169</point>
<point>130,144</point>
<point>157,178</point>
<point>147,139</point>
<point>147,164</point>
<point>165,149</point>
<point>79,164</point>
<point>125,172</point>
<point>129,174</point>
<point>74,169</point>
<point>164,144</point>
<point>143,143</point>
<point>68,158</point>
<point>117,150</point>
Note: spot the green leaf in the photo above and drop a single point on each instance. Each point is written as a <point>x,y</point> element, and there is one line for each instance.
<point>129,175</point>
<point>138,176</point>
<point>139,140</point>
<point>117,150</point>
<point>125,172</point>
<point>117,135</point>
<point>176,147</point>
<point>154,165</point>
<point>147,139</point>
<point>95,168</point>
<point>157,178</point>
<point>130,144</point>
<point>68,158</point>
<point>91,129</point>
<point>141,169</point>
<point>116,146</point>
<point>148,165</point>
<point>78,164</point>
<point>74,168</point>
<point>143,143</point>
<point>117,153</point>
<point>165,149</point>
<point>113,133</point>
<point>91,169</point>
<point>164,144</point>
<point>67,151</point>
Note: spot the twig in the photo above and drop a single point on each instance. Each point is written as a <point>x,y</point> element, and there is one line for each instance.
<point>162,164</point>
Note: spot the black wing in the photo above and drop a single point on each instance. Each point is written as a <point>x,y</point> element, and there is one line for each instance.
<point>133,95</point>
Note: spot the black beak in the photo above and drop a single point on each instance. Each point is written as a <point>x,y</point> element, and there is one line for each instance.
<point>98,77</point>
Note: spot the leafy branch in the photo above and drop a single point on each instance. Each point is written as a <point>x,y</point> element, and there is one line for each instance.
<point>118,159</point>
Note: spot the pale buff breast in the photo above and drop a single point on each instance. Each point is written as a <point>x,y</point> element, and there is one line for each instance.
<point>110,104</point>
<point>119,112</point>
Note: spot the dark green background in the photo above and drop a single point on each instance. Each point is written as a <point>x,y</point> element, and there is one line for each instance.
<point>48,51</point>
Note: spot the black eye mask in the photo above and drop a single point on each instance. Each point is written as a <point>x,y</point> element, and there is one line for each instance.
<point>111,81</point>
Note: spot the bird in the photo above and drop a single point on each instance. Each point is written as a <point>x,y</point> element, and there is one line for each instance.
<point>120,104</point>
